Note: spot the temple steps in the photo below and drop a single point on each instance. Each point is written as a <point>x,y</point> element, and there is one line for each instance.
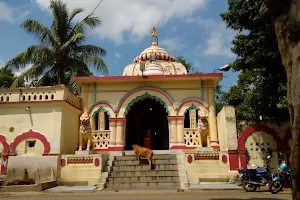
<point>129,168</point>
<point>127,174</point>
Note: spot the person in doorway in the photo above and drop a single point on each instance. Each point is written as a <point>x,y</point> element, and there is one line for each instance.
<point>147,140</point>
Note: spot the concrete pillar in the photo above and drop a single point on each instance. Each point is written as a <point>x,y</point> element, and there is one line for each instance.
<point>112,128</point>
<point>101,120</point>
<point>180,133</point>
<point>120,133</point>
<point>212,120</point>
<point>172,131</point>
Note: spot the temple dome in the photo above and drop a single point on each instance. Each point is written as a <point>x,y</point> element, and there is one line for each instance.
<point>164,63</point>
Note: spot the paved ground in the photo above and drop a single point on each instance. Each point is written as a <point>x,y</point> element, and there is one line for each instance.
<point>149,195</point>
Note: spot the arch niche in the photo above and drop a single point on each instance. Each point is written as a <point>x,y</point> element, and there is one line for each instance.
<point>145,113</point>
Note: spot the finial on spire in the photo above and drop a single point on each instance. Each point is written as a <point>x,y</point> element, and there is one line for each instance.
<point>153,34</point>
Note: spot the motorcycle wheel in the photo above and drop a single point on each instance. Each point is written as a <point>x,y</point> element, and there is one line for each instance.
<point>275,186</point>
<point>248,187</point>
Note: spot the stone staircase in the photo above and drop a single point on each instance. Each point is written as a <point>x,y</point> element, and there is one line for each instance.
<point>125,173</point>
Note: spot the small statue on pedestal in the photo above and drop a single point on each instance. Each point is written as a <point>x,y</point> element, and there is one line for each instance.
<point>85,132</point>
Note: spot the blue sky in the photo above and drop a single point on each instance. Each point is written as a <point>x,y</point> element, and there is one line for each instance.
<point>191,28</point>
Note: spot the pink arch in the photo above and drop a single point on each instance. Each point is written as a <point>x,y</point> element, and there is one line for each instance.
<point>258,127</point>
<point>126,96</point>
<point>4,143</point>
<point>192,100</point>
<point>31,134</point>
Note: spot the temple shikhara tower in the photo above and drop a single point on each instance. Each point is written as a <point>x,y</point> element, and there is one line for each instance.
<point>155,103</point>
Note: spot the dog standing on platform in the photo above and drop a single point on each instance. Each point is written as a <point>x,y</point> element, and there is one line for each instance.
<point>144,153</point>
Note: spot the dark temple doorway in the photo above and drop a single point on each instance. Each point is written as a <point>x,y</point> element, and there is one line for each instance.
<point>147,114</point>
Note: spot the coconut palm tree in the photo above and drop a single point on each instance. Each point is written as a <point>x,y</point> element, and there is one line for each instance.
<point>61,52</point>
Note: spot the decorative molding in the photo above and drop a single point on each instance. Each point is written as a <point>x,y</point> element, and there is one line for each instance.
<point>141,97</point>
<point>63,162</point>
<point>30,134</point>
<point>104,104</point>
<point>199,156</point>
<point>190,159</point>
<point>97,162</point>
<point>80,160</point>
<point>99,109</point>
<point>146,89</point>
<point>192,99</point>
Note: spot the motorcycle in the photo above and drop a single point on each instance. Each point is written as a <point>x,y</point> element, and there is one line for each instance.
<point>253,178</point>
<point>283,177</point>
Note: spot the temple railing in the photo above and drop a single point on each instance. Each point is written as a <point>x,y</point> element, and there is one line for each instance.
<point>101,139</point>
<point>58,93</point>
<point>192,137</point>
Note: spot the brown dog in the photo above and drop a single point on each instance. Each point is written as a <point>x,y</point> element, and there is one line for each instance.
<point>144,153</point>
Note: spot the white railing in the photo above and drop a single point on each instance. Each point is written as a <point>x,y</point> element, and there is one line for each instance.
<point>192,137</point>
<point>101,139</point>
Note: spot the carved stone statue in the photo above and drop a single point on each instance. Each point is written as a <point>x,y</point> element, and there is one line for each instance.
<point>85,132</point>
<point>202,119</point>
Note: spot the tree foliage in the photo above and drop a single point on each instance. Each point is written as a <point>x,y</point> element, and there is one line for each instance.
<point>61,52</point>
<point>6,78</point>
<point>261,88</point>
<point>187,65</point>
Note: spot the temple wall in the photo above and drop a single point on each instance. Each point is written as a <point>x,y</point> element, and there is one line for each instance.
<point>113,92</point>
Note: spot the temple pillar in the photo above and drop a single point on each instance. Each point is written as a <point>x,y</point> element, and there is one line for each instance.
<point>120,133</point>
<point>173,131</point>
<point>212,120</point>
<point>180,133</point>
<point>101,118</point>
<point>113,129</point>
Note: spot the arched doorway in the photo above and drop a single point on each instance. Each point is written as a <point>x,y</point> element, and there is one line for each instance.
<point>147,114</point>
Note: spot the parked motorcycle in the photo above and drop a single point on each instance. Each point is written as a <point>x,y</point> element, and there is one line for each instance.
<point>283,177</point>
<point>254,178</point>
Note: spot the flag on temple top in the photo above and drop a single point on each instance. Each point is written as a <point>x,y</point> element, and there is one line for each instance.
<point>153,33</point>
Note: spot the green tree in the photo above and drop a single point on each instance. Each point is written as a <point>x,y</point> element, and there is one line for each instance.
<point>220,98</point>
<point>261,88</point>
<point>61,52</point>
<point>6,78</point>
<point>187,65</point>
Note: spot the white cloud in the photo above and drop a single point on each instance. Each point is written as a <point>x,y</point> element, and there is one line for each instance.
<point>172,44</point>
<point>10,14</point>
<point>118,55</point>
<point>219,38</point>
<point>134,17</point>
<point>6,12</point>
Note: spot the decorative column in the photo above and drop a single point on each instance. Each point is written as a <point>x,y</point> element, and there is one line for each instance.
<point>193,121</point>
<point>180,133</point>
<point>172,132</point>
<point>112,139</point>
<point>212,120</point>
<point>101,118</point>
<point>120,134</point>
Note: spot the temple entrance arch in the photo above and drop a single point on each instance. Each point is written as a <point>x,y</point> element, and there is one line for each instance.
<point>147,114</point>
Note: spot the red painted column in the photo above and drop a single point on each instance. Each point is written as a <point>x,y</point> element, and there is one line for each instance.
<point>4,159</point>
<point>243,158</point>
<point>233,160</point>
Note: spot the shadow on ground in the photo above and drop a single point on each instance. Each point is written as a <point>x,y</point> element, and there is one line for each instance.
<point>248,199</point>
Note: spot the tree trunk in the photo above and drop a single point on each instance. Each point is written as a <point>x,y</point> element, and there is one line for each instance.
<point>289,47</point>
